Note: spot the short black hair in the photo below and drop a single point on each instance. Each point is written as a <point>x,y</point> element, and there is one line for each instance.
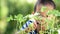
<point>43,1</point>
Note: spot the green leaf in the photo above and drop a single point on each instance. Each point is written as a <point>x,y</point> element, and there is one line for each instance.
<point>53,12</point>
<point>43,9</point>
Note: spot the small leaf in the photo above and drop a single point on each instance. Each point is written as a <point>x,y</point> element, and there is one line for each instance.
<point>43,9</point>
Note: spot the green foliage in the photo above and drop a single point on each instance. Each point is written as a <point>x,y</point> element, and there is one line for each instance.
<point>22,20</point>
<point>43,8</point>
<point>16,7</point>
<point>54,12</point>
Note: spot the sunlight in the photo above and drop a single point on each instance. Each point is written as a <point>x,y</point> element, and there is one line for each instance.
<point>29,1</point>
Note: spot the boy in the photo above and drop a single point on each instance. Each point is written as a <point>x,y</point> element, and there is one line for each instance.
<point>40,3</point>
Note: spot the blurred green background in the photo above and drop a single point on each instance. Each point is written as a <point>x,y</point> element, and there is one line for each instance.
<point>15,7</point>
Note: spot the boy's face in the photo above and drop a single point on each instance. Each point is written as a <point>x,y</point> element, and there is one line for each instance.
<point>49,7</point>
<point>38,9</point>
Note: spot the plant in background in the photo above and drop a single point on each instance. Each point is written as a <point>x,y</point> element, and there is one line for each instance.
<point>49,23</point>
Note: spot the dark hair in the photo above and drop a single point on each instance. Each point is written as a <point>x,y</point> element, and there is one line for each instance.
<point>44,1</point>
